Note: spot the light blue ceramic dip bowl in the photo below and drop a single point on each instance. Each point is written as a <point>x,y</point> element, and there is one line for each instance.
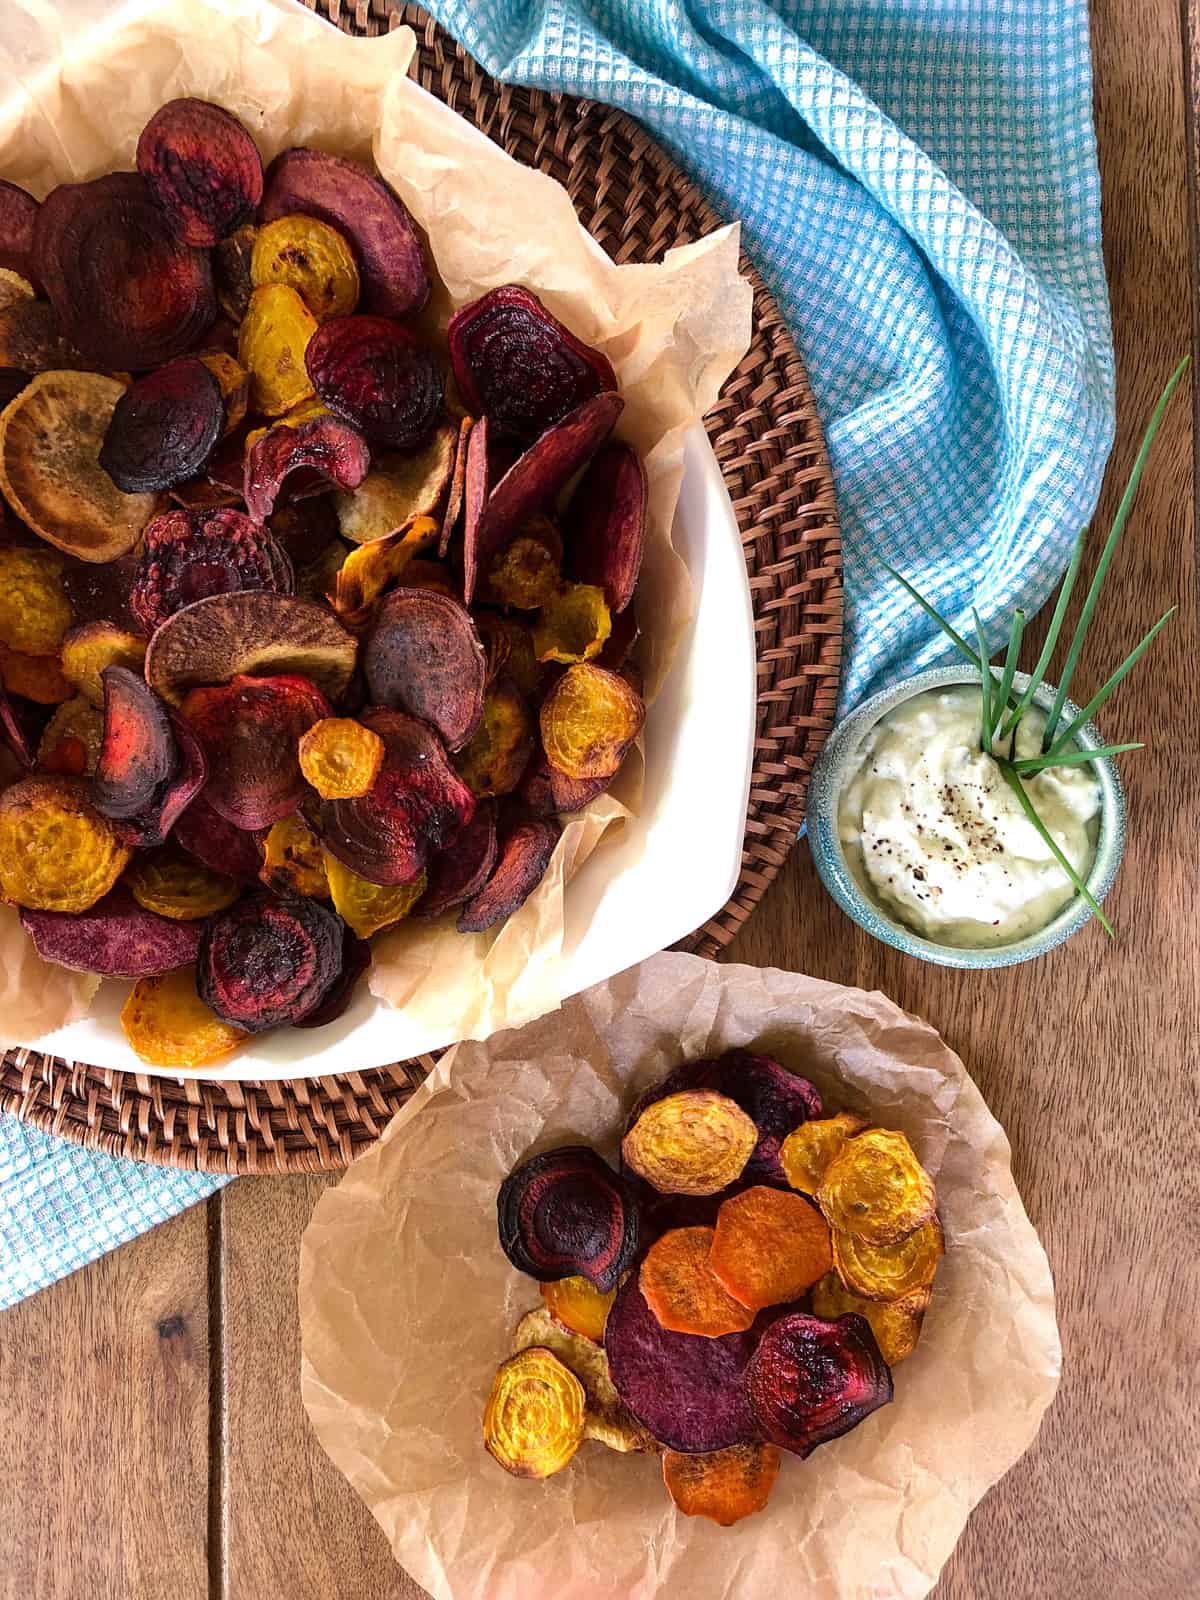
<point>838,761</point>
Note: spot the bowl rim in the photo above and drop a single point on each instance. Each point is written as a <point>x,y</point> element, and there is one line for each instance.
<point>824,841</point>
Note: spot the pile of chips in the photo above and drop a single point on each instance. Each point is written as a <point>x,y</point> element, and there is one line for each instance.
<point>312,616</point>
<point>743,1286</point>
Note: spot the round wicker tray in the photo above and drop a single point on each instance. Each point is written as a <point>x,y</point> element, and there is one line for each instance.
<point>767,439</point>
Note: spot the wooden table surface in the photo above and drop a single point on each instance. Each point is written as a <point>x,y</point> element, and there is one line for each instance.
<point>152,1441</point>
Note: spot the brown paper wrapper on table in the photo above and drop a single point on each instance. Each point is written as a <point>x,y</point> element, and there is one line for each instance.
<point>407,1305</point>
<point>79,81</point>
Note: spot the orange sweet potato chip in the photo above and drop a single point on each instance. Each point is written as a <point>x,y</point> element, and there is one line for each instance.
<point>722,1485</point>
<point>876,1189</point>
<point>896,1324</point>
<point>807,1152</point>
<point>682,1290</point>
<point>769,1247</point>
<point>579,1306</point>
<point>694,1142</point>
<point>889,1271</point>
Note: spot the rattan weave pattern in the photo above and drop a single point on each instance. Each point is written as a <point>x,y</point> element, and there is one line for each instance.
<point>768,442</point>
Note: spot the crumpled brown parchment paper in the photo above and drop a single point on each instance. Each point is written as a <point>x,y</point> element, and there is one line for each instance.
<point>407,1304</point>
<point>77,83</point>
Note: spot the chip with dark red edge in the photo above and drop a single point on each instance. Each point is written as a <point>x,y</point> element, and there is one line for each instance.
<point>218,844</point>
<point>164,428</point>
<point>333,450</point>
<point>548,792</point>
<point>203,169</point>
<point>356,958</point>
<point>523,856</point>
<point>565,1213</point>
<point>515,361</point>
<point>268,960</point>
<point>462,869</point>
<point>192,555</point>
<point>534,478</point>
<point>378,376</point>
<point>139,755</point>
<point>116,938</point>
<point>18,213</point>
<point>811,1380</point>
<point>476,483</point>
<point>249,730</point>
<point>454,497</point>
<point>129,293</point>
<point>605,523</point>
<point>424,656</point>
<point>688,1390</point>
<point>382,234</point>
<point>154,824</point>
<point>417,805</point>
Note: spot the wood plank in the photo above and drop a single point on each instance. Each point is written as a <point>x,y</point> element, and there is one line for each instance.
<point>291,1523</point>
<point>104,1443</point>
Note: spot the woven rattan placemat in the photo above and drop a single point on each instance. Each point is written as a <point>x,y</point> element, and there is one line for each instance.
<point>769,445</point>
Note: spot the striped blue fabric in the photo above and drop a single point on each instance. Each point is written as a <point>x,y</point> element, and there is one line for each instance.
<point>917,181</point>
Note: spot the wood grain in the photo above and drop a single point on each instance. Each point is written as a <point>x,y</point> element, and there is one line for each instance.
<point>1087,1056</point>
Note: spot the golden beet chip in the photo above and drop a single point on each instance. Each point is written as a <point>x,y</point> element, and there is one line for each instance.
<point>683,1292</point>
<point>528,571</point>
<point>57,853</point>
<point>573,626</point>
<point>88,649</point>
<point>13,287</point>
<point>168,1024</point>
<point>176,885</point>
<point>495,757</point>
<point>234,383</point>
<point>769,1247</point>
<point>896,1324</point>
<point>50,472</point>
<point>876,1189</point>
<point>806,1153</point>
<point>293,861</point>
<point>37,678</point>
<point>368,907</point>
<point>722,1485</point>
<point>889,1271</point>
<point>340,757</point>
<point>589,720</point>
<point>367,571</point>
<point>533,1421</point>
<point>694,1142</point>
<point>398,488</point>
<point>579,1306</point>
<point>70,743</point>
<point>271,343</point>
<point>606,1419</point>
<point>310,257</point>
<point>34,610</point>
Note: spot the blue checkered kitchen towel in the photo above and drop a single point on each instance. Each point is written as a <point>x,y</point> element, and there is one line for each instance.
<point>917,181</point>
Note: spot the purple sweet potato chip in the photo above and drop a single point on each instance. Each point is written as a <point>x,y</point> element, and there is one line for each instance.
<point>424,656</point>
<point>116,938</point>
<point>605,524</point>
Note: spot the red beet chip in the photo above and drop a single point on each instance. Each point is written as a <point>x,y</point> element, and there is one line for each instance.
<point>268,961</point>
<point>127,291</point>
<point>249,730</point>
<point>523,857</point>
<point>18,213</point>
<point>417,806</point>
<point>202,167</point>
<point>810,1380</point>
<point>519,365</point>
<point>218,844</point>
<point>153,825</point>
<point>548,793</point>
<point>535,478</point>
<point>565,1213</point>
<point>687,1390</point>
<point>459,871</point>
<point>191,555</point>
<point>391,259</point>
<point>424,656</point>
<point>378,376</point>
<point>356,958</point>
<point>164,428</point>
<point>332,451</point>
<point>476,483</point>
<point>139,755</point>
<point>116,938</point>
<point>606,524</point>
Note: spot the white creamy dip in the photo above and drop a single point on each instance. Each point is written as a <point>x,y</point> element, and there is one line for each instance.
<point>933,833</point>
